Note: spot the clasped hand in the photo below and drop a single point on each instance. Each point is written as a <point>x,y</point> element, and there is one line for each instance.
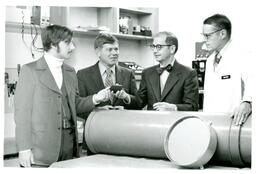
<point>105,95</point>
<point>163,106</point>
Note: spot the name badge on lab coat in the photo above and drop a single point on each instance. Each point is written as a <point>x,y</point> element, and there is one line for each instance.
<point>225,77</point>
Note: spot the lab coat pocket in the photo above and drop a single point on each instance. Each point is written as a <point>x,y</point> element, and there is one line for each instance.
<point>226,86</point>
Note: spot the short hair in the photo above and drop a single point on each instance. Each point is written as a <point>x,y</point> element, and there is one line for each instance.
<point>220,21</point>
<point>104,38</point>
<point>170,39</point>
<point>54,34</point>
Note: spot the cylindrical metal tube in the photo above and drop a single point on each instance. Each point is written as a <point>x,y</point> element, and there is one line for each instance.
<point>142,133</point>
<point>234,142</point>
<point>138,133</point>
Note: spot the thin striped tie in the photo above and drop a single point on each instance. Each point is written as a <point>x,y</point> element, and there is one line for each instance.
<point>109,79</point>
<point>109,82</point>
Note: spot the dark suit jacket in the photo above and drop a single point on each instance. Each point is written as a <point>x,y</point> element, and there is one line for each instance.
<point>37,108</point>
<point>181,88</point>
<point>90,82</point>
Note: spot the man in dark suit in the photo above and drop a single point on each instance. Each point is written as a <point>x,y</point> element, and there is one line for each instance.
<point>95,81</point>
<point>168,86</point>
<point>47,102</point>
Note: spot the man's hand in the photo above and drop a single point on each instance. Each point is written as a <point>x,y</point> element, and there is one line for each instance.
<point>241,113</point>
<point>123,95</point>
<point>26,158</point>
<point>163,106</point>
<point>103,95</point>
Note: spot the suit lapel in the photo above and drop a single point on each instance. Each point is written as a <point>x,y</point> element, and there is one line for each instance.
<point>155,83</point>
<point>171,80</point>
<point>119,80</point>
<point>46,78</point>
<point>96,77</point>
<point>67,81</point>
<point>119,75</point>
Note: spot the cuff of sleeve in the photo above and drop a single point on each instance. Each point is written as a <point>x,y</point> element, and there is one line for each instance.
<point>94,101</point>
<point>127,100</point>
<point>175,108</point>
<point>23,151</point>
<point>247,99</point>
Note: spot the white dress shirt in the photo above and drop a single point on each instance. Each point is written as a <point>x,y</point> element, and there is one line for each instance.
<point>164,76</point>
<point>103,73</point>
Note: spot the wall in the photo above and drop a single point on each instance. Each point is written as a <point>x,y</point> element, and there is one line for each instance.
<point>83,56</point>
<point>16,52</point>
<point>185,20</point>
<point>130,50</point>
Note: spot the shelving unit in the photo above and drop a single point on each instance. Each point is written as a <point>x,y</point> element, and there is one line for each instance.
<point>87,22</point>
<point>138,11</point>
<point>108,17</point>
<point>17,27</point>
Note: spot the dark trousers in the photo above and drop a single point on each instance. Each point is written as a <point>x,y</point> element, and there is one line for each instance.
<point>67,144</point>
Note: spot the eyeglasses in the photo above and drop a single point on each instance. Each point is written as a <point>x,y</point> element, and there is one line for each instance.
<point>208,35</point>
<point>158,47</point>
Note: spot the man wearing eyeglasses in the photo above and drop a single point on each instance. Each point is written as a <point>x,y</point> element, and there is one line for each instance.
<point>226,86</point>
<point>168,86</point>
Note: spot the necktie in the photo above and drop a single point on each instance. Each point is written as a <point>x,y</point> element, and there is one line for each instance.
<point>161,69</point>
<point>217,58</point>
<point>109,82</point>
<point>109,79</point>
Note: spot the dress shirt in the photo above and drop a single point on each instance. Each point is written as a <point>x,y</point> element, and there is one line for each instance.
<point>164,76</point>
<point>218,55</point>
<point>103,73</point>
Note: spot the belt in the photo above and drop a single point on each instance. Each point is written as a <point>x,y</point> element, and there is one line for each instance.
<point>66,124</point>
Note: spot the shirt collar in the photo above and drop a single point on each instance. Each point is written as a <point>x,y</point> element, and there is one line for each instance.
<point>223,50</point>
<point>170,62</point>
<point>103,68</point>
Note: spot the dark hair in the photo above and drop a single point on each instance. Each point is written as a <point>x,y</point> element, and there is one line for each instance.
<point>220,21</point>
<point>53,34</point>
<point>104,38</point>
<point>170,39</point>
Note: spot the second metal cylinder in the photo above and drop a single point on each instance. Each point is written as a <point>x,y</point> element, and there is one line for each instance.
<point>142,133</point>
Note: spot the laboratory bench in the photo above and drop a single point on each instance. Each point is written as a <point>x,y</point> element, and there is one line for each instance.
<point>115,161</point>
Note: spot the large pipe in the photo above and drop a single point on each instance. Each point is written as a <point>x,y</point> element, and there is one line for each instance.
<point>142,133</point>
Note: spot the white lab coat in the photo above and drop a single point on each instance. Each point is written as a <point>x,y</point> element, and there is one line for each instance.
<point>228,85</point>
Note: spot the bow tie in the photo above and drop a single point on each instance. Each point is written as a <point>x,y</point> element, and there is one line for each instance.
<point>161,69</point>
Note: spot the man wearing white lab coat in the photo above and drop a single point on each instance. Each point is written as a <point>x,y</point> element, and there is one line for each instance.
<point>226,87</point>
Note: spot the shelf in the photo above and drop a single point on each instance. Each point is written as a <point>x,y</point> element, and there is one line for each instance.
<point>118,35</point>
<point>135,11</point>
<point>130,36</point>
<point>16,27</point>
